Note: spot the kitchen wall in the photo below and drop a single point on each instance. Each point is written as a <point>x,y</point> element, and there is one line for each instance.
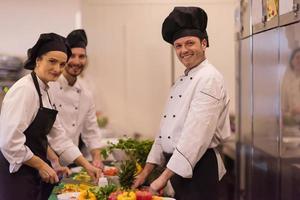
<point>21,22</point>
<point>130,69</point>
<point>130,66</point>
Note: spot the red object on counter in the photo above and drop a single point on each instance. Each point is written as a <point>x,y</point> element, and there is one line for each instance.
<point>143,195</point>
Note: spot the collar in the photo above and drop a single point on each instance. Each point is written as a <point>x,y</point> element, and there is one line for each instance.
<point>189,72</point>
<point>64,82</point>
<point>42,85</point>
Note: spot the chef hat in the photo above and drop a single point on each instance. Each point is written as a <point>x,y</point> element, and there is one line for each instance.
<point>46,42</point>
<point>77,38</point>
<point>185,21</point>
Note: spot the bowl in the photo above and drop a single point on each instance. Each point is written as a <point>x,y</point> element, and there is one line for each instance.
<point>119,155</point>
<point>68,196</point>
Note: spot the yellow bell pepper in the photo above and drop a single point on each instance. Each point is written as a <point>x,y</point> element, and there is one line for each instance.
<point>86,195</point>
<point>138,168</point>
<point>127,196</point>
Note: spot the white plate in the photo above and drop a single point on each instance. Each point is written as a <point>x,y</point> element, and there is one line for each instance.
<point>76,169</point>
<point>68,196</point>
<point>168,198</point>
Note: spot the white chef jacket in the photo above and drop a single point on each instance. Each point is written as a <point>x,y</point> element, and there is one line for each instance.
<point>77,112</point>
<point>196,118</point>
<point>19,108</point>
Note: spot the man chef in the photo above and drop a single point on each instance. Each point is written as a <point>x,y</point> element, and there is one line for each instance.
<point>75,102</point>
<point>196,118</point>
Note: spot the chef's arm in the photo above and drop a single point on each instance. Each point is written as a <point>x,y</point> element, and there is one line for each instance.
<point>141,178</point>
<point>161,181</point>
<point>52,157</point>
<point>148,169</point>
<point>167,174</point>
<point>61,171</point>
<point>46,172</point>
<point>96,158</point>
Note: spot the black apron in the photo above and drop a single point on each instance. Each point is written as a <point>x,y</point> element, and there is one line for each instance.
<point>204,183</point>
<point>26,183</point>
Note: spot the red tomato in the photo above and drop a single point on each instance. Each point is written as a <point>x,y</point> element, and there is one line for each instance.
<point>143,195</point>
<point>110,171</point>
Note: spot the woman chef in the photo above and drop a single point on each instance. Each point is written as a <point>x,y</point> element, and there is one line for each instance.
<point>28,126</point>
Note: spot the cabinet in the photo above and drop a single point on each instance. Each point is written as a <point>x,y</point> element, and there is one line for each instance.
<point>269,128</point>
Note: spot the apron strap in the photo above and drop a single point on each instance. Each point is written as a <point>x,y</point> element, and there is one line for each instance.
<point>36,84</point>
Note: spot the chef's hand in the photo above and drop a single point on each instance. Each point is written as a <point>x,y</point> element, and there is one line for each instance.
<point>139,180</point>
<point>96,159</point>
<point>61,171</point>
<point>53,158</point>
<point>48,174</point>
<point>98,164</point>
<point>159,183</point>
<point>94,172</point>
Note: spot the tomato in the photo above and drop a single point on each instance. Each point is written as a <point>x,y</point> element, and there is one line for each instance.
<point>110,171</point>
<point>143,195</point>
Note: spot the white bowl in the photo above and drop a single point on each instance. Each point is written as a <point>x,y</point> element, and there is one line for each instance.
<point>119,154</point>
<point>76,169</point>
<point>68,196</point>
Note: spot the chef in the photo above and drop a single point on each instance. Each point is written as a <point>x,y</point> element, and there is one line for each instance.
<point>74,100</point>
<point>28,126</point>
<point>196,118</point>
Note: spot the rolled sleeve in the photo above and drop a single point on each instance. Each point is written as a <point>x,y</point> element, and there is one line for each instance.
<point>155,155</point>
<point>184,169</point>
<point>17,161</point>
<point>69,155</point>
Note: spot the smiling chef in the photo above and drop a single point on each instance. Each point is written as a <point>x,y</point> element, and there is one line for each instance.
<point>196,117</point>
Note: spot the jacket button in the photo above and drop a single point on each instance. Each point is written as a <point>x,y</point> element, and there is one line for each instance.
<point>60,88</point>
<point>180,96</point>
<point>165,116</point>
<point>174,115</point>
<point>159,136</point>
<point>78,91</point>
<point>169,137</point>
<point>60,105</point>
<point>171,97</point>
<point>73,124</point>
<point>181,79</point>
<point>191,78</point>
<point>76,108</point>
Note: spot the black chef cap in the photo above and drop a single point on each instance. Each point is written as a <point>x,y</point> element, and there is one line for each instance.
<point>46,42</point>
<point>77,38</point>
<point>185,21</point>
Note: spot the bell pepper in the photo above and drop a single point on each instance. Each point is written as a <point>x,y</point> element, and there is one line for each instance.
<point>127,196</point>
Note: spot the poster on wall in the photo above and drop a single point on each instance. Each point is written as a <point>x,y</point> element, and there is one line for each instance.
<point>272,9</point>
<point>285,6</point>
